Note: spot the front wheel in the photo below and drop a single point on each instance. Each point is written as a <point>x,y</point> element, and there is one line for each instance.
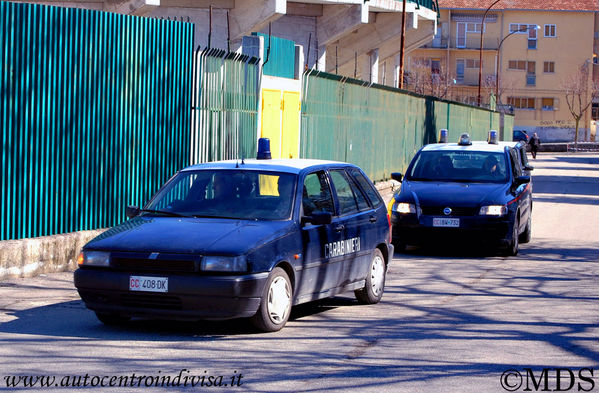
<point>375,280</point>
<point>275,304</point>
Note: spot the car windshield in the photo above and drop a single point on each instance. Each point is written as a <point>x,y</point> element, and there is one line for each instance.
<point>459,166</point>
<point>245,195</point>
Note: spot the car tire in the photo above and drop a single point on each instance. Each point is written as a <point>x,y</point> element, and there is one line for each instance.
<point>375,280</point>
<point>527,234</point>
<point>512,248</point>
<point>112,319</point>
<point>275,305</point>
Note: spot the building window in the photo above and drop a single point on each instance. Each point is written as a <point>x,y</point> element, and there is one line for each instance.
<point>435,66</point>
<point>520,28</point>
<point>474,27</point>
<point>531,78</point>
<point>550,31</point>
<point>472,63</point>
<point>521,102</point>
<point>516,65</point>
<point>547,104</point>
<point>532,37</point>
<point>531,30</point>
<point>549,66</point>
<point>461,35</point>
<point>522,65</point>
<point>595,111</point>
<point>459,70</point>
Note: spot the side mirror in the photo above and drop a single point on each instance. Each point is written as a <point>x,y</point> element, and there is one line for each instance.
<point>131,211</point>
<point>522,180</point>
<point>397,176</point>
<point>318,218</point>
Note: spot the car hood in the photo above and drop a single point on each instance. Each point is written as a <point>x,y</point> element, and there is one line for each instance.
<point>189,235</point>
<point>455,194</point>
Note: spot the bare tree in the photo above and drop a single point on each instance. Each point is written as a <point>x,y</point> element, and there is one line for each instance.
<point>580,93</point>
<point>422,80</point>
<point>502,92</point>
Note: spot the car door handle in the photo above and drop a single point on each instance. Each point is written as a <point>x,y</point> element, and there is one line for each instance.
<point>339,228</point>
<point>373,219</point>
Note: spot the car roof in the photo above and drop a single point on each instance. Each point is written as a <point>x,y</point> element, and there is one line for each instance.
<point>475,146</point>
<point>290,165</point>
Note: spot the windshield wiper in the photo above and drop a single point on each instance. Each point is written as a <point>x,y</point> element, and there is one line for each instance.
<point>172,214</point>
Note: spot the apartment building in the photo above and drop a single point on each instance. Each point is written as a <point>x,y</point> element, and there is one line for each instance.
<point>529,50</point>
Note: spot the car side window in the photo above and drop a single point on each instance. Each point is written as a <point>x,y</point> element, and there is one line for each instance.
<point>348,201</point>
<point>523,157</point>
<point>516,167</point>
<point>370,191</point>
<point>361,199</point>
<point>316,195</point>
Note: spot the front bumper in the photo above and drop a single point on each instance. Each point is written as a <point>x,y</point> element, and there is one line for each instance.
<point>410,229</point>
<point>189,297</point>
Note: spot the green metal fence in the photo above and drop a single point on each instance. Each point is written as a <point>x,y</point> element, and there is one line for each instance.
<point>225,106</point>
<point>279,56</point>
<point>377,127</point>
<point>94,113</point>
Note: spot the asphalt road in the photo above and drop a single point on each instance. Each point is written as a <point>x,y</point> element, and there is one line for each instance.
<point>450,321</point>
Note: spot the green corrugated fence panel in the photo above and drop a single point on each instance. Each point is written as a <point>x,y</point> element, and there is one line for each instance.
<point>281,59</point>
<point>95,115</point>
<point>377,127</point>
<point>224,106</point>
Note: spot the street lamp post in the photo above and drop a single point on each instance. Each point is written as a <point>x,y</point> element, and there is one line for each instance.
<point>480,50</point>
<point>537,27</point>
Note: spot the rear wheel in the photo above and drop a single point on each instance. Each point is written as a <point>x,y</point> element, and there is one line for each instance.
<point>275,304</point>
<point>112,319</point>
<point>375,280</point>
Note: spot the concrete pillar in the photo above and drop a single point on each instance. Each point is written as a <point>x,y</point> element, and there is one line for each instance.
<point>373,57</point>
<point>321,61</point>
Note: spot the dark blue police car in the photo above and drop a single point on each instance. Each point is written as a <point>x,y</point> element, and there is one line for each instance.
<point>245,238</point>
<point>467,190</point>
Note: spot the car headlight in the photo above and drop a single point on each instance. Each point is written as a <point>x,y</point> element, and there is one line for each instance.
<point>94,258</point>
<point>405,208</point>
<point>493,210</point>
<point>224,264</point>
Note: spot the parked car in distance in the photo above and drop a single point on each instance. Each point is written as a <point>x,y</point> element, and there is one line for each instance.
<point>520,135</point>
<point>241,238</point>
<point>479,191</point>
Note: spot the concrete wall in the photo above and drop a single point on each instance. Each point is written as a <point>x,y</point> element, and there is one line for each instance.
<point>30,257</point>
<point>557,134</point>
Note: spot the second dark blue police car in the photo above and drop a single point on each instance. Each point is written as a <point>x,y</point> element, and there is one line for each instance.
<point>479,191</point>
<point>241,238</point>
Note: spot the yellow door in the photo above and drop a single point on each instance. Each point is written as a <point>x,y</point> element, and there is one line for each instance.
<point>271,120</point>
<point>291,116</point>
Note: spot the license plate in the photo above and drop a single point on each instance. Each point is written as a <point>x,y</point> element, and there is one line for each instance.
<point>446,222</point>
<point>148,284</point>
